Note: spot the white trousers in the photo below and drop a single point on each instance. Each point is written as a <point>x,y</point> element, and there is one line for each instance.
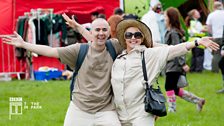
<point>140,121</point>
<point>77,117</point>
<point>207,64</point>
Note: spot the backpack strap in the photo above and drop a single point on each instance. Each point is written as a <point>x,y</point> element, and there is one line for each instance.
<point>81,56</point>
<point>111,50</point>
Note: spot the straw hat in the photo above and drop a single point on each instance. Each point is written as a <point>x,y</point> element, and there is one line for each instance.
<point>124,24</point>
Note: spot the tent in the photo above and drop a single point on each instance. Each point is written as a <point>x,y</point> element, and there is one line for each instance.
<point>10,10</point>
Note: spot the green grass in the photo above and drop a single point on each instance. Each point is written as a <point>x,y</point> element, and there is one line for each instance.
<point>53,97</point>
<point>204,85</point>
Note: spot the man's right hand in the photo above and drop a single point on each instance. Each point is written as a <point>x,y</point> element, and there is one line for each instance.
<point>70,21</point>
<point>79,28</point>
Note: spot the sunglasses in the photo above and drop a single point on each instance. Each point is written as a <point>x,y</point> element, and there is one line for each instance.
<point>129,35</point>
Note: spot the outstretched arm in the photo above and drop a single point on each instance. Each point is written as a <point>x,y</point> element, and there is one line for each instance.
<point>76,26</point>
<point>205,41</point>
<point>181,49</point>
<point>17,41</point>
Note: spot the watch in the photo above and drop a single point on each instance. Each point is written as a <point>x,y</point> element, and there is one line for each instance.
<point>196,42</point>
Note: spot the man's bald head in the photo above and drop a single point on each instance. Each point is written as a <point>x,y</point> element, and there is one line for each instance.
<point>99,21</point>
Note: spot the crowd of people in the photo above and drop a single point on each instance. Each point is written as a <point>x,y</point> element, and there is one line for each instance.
<point>110,92</point>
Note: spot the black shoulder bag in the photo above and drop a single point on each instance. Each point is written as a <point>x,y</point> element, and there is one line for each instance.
<point>154,98</point>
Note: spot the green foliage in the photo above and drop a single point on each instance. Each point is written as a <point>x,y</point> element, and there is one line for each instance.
<point>53,97</point>
<point>172,3</point>
<point>139,7</point>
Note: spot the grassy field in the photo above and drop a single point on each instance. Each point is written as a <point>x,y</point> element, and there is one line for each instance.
<point>47,102</point>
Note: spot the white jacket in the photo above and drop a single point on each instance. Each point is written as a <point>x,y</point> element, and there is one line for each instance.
<point>127,77</point>
<point>150,20</point>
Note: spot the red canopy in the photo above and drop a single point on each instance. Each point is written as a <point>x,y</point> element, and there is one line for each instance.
<point>11,9</point>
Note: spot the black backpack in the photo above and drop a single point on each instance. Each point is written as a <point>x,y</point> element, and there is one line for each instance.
<point>81,56</point>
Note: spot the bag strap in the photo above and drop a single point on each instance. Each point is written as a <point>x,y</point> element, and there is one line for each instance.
<point>145,73</point>
<point>81,56</point>
<point>111,50</point>
<point>144,70</point>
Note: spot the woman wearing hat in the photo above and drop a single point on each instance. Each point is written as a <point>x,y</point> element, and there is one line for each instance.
<point>127,75</point>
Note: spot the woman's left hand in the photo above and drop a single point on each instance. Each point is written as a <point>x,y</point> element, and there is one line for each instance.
<point>207,42</point>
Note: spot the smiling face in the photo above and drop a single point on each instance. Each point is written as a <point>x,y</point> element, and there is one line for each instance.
<point>100,31</point>
<point>133,37</point>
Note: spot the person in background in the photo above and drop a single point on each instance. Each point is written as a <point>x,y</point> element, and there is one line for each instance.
<point>102,16</point>
<point>118,11</point>
<point>221,66</point>
<point>177,66</point>
<point>154,19</point>
<point>195,30</point>
<point>158,9</point>
<point>127,75</point>
<point>113,21</point>
<point>215,25</point>
<point>195,27</point>
<point>94,15</point>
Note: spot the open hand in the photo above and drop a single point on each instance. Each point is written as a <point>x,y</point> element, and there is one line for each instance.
<point>70,21</point>
<point>207,42</point>
<point>15,39</point>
